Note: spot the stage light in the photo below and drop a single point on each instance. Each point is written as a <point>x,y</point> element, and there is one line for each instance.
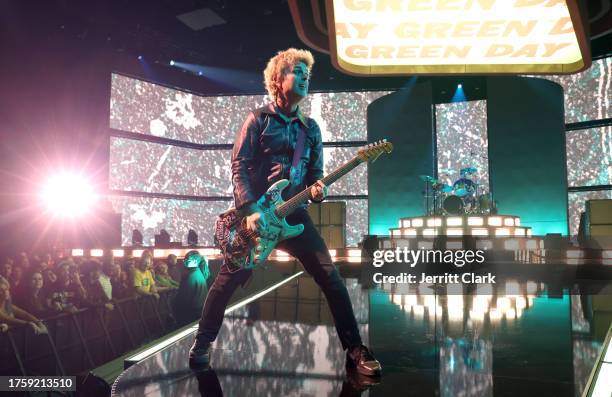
<point>480,232</point>
<point>410,232</point>
<point>68,195</point>
<point>459,95</point>
<point>502,231</point>
<point>200,73</point>
<point>495,315</point>
<point>508,221</point>
<point>410,300</point>
<point>137,253</point>
<point>332,253</point>
<point>434,222</point>
<point>396,232</point>
<point>417,222</point>
<point>77,252</point>
<point>355,252</point>
<point>475,221</point>
<point>517,221</point>
<point>477,315</point>
<point>519,232</point>
<point>406,223</point>
<point>454,221</point>
<point>171,63</point>
<point>118,253</point>
<point>97,253</point>
<point>495,221</point>
<point>140,58</point>
<point>454,232</point>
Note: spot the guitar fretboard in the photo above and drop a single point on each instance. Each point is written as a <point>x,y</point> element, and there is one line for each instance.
<point>302,197</point>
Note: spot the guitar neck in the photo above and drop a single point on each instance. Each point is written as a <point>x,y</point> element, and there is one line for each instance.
<point>302,197</point>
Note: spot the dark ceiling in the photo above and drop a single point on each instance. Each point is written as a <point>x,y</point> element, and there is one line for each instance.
<point>254,30</point>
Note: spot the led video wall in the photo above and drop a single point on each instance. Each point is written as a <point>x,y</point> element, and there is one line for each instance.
<point>588,97</point>
<point>145,108</point>
<point>138,166</point>
<point>587,94</point>
<point>461,142</point>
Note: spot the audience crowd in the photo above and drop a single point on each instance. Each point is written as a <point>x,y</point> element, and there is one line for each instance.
<point>34,288</point>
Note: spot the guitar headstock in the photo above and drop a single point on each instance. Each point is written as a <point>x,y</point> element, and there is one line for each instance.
<point>373,150</point>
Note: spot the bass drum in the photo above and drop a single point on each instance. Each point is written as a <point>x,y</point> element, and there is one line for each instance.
<point>453,205</point>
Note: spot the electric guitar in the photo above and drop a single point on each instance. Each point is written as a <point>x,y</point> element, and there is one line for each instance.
<point>243,248</point>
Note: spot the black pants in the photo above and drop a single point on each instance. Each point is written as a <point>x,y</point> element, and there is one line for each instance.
<point>310,249</point>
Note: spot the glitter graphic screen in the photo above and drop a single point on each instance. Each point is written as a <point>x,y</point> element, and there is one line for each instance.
<point>151,111</point>
<point>146,108</point>
<point>461,139</point>
<point>588,95</point>
<point>589,156</point>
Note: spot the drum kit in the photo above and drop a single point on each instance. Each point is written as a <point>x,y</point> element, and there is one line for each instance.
<point>462,198</point>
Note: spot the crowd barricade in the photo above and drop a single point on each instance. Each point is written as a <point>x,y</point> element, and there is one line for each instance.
<point>80,341</point>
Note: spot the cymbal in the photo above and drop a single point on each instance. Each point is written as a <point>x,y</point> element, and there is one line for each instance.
<point>427,178</point>
<point>447,171</point>
<point>469,170</point>
<point>446,188</point>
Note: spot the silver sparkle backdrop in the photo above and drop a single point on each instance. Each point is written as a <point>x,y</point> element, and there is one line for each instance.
<point>144,108</point>
<point>461,139</point>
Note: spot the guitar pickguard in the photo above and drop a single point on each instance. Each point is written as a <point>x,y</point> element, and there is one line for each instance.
<point>244,249</point>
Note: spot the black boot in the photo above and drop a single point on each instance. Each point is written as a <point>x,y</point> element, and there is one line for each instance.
<point>359,358</point>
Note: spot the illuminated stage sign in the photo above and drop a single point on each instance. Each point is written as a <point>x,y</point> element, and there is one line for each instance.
<point>393,37</point>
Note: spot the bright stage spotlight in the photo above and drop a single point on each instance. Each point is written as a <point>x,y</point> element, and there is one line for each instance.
<point>171,63</point>
<point>459,94</point>
<point>68,195</point>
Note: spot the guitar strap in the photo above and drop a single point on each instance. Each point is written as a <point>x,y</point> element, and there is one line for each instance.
<point>296,165</point>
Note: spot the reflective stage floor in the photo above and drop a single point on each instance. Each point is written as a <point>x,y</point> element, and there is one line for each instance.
<point>520,338</point>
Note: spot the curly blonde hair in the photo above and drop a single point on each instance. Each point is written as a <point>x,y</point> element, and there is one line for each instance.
<point>282,63</point>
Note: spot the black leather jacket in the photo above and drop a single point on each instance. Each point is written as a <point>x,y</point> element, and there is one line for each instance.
<point>263,152</point>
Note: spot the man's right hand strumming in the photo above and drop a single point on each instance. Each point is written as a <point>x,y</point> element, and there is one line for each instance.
<point>255,221</point>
